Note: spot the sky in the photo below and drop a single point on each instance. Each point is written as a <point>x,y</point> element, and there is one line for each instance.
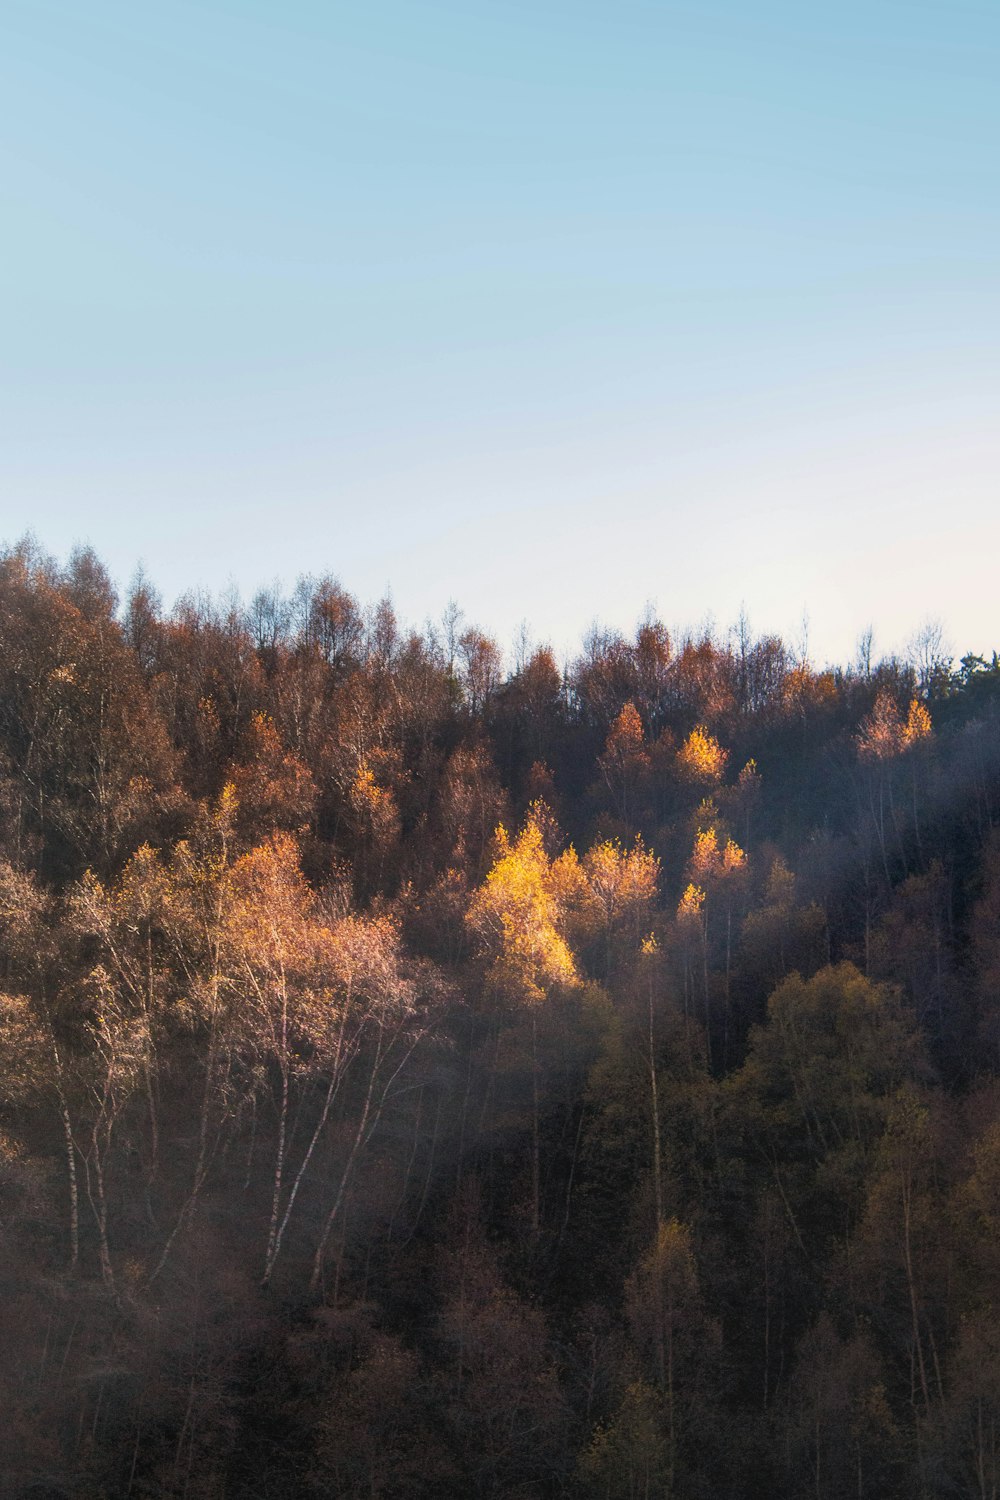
<point>556,308</point>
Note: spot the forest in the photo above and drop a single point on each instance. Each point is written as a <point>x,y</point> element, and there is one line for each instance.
<point>428,1075</point>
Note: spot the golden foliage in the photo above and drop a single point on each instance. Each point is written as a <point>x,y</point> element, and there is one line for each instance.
<point>918,723</point>
<point>375,813</point>
<point>622,882</point>
<point>568,884</point>
<point>704,856</point>
<point>709,863</point>
<point>701,758</point>
<point>690,906</point>
<point>365,793</point>
<point>734,859</point>
<point>517,913</point>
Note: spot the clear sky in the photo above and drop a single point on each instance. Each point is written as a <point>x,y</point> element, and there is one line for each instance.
<point>555,307</point>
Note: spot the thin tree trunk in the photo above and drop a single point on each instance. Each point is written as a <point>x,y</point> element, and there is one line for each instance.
<point>409,1163</point>
<point>428,1175</point>
<point>914,1309</point>
<point>274,1250</point>
<point>331,1217</point>
<point>279,1157</point>
<point>74,1190</point>
<point>572,1174</point>
<point>369,1120</point>
<point>188,1207</point>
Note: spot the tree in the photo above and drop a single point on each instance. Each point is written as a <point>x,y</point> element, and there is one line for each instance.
<point>628,1457</point>
<point>842,1438</point>
<point>675,1342</point>
<point>720,872</point>
<point>93,769</point>
<point>899,1264</point>
<point>884,737</point>
<point>607,897</point>
<point>503,1405</point>
<point>274,788</point>
<point>517,917</point>
<point>481,664</point>
<point>625,763</point>
<point>379,1004</point>
<point>701,760</point>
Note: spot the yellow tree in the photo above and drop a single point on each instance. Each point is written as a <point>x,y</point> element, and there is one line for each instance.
<point>517,916</point>
<point>917,734</point>
<point>606,897</point>
<point>374,815</point>
<point>622,883</point>
<point>701,760</point>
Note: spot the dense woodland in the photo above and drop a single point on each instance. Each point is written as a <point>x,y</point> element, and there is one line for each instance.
<point>422,1078</point>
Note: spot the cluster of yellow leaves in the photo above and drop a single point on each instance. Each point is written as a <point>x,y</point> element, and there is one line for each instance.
<point>374,807</point>
<point>701,758</point>
<point>689,908</point>
<point>517,913</point>
<point>708,868</point>
<point>884,733</point>
<point>709,863</point>
<point>272,904</point>
<point>918,723</point>
<point>365,793</point>
<point>532,906</point>
<point>621,882</point>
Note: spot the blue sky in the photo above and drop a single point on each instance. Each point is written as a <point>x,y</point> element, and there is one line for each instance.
<point>556,309</point>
